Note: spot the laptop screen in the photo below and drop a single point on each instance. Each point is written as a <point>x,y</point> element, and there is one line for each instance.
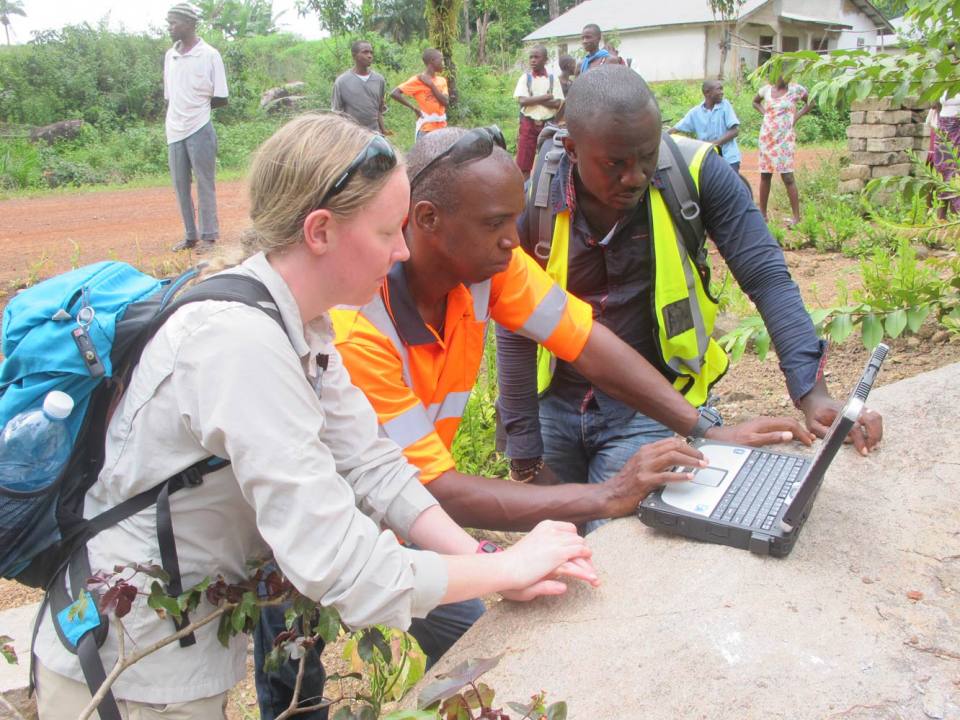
<point>834,438</point>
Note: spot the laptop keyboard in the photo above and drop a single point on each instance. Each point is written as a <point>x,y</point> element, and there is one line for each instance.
<point>757,492</point>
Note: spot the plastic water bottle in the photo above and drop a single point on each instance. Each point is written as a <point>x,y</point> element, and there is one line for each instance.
<point>35,445</point>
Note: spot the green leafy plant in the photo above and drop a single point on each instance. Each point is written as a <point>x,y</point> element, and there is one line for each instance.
<point>926,70</point>
<point>899,293</point>
<point>918,197</point>
<point>385,661</point>
<point>458,695</point>
<point>392,662</point>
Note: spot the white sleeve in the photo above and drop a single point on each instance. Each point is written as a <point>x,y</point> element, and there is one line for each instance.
<point>166,80</point>
<point>243,394</point>
<point>521,89</point>
<point>219,76</point>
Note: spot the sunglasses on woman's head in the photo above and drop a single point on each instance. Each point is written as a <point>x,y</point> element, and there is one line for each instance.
<point>476,144</point>
<point>373,161</point>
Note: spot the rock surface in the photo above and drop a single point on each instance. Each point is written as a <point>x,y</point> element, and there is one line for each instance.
<point>862,620</point>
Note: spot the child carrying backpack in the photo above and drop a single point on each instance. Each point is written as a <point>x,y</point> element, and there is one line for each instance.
<point>539,96</point>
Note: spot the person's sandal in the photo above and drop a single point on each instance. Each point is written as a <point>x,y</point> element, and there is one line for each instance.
<point>184,245</point>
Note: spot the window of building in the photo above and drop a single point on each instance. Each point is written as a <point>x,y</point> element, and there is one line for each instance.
<point>766,49</point>
<point>820,44</point>
<point>790,43</point>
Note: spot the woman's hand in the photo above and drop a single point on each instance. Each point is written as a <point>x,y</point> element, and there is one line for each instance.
<point>549,552</point>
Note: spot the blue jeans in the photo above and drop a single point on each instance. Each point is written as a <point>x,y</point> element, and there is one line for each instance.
<point>585,447</point>
<point>436,633</point>
<point>275,689</point>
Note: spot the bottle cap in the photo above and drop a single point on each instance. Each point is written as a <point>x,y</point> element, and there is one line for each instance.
<point>57,404</point>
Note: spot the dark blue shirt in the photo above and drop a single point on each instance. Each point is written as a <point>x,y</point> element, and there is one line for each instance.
<point>614,275</point>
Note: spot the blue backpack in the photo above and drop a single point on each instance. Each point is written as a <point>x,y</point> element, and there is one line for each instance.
<point>83,332</point>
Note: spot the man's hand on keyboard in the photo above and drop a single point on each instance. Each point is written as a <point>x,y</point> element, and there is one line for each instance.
<point>647,470</point>
<point>762,431</point>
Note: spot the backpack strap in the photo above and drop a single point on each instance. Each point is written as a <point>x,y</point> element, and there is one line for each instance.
<point>681,197</point>
<point>540,215</point>
<point>530,84</point>
<point>229,287</point>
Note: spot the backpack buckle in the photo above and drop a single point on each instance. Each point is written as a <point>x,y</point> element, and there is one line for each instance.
<point>690,210</point>
<point>542,250</point>
<point>192,477</point>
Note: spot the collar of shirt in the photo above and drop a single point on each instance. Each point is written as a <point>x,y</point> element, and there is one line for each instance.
<point>307,339</point>
<point>192,51</point>
<point>406,317</point>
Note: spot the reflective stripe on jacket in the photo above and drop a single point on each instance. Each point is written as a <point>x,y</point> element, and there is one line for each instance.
<point>683,314</point>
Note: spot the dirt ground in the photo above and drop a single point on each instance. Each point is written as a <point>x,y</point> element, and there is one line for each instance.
<point>43,236</point>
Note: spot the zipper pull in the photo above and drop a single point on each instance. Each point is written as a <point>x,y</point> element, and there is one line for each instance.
<point>88,351</point>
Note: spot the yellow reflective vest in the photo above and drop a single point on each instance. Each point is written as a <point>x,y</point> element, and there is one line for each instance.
<point>684,313</point>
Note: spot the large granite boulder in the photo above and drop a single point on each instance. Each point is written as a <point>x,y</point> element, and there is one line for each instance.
<point>861,621</point>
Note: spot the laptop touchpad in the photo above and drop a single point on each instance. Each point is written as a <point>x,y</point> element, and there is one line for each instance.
<point>710,476</point>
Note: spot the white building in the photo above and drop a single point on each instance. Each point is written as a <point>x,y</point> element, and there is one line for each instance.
<point>679,39</point>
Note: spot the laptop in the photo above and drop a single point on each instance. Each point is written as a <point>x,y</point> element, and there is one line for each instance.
<point>751,498</point>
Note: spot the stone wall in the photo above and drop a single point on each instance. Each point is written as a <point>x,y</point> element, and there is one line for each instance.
<point>879,138</point>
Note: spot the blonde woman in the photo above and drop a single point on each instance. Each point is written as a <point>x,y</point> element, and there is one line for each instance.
<point>309,479</point>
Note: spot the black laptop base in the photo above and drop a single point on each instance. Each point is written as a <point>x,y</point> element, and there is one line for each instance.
<point>662,516</point>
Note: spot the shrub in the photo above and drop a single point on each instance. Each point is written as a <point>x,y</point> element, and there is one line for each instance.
<point>19,165</point>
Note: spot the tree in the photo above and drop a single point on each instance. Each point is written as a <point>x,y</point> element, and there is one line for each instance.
<point>443,24</point>
<point>8,8</point>
<point>400,20</point>
<point>509,20</point>
<point>240,18</point>
<point>891,8</point>
<point>542,11</point>
<point>339,17</point>
<point>929,67</point>
<point>725,14</point>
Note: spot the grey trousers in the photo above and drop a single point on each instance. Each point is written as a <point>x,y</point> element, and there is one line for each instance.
<point>196,156</point>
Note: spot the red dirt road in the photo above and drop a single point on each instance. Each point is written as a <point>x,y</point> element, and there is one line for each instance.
<point>47,235</point>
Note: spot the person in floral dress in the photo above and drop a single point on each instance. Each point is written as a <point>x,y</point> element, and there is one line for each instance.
<point>781,106</point>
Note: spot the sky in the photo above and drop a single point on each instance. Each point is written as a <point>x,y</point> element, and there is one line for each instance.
<point>132,15</point>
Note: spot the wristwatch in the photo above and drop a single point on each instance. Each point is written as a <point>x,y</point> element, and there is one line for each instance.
<point>485,547</point>
<point>708,418</point>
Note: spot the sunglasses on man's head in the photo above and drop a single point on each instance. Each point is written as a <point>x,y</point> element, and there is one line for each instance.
<point>373,161</point>
<point>476,144</point>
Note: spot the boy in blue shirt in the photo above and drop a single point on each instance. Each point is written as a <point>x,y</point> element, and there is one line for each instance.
<point>714,121</point>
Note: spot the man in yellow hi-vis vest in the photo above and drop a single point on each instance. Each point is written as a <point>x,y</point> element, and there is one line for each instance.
<point>605,226</point>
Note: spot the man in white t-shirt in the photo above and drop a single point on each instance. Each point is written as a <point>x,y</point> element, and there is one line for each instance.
<point>194,82</point>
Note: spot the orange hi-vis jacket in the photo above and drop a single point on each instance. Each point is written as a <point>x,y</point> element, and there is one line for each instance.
<point>419,382</point>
